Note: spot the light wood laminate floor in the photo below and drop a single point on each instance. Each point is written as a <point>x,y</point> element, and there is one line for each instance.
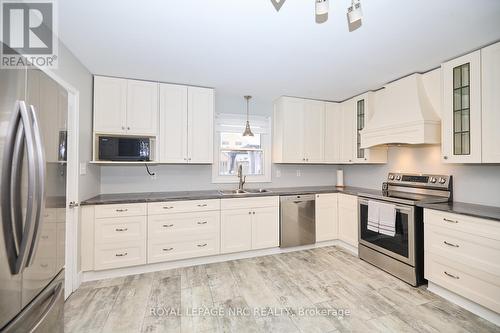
<point>278,287</point>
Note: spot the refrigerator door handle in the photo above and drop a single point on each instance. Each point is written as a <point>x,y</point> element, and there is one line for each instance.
<point>39,185</point>
<point>20,121</point>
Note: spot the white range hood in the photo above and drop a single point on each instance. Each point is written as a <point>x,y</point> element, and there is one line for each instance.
<point>406,111</point>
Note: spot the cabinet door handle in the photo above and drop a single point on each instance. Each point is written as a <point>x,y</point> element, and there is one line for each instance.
<point>121,254</point>
<point>121,229</point>
<point>168,207</point>
<point>122,210</point>
<point>451,275</point>
<point>167,225</point>
<point>123,127</point>
<point>44,265</point>
<point>249,213</point>
<point>450,221</point>
<point>202,222</point>
<point>202,205</point>
<point>189,158</point>
<point>253,213</point>
<point>168,249</point>
<point>128,127</point>
<point>445,157</point>
<point>202,245</point>
<point>451,244</point>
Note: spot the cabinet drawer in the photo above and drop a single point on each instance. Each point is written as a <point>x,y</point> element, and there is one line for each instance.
<point>480,287</point>
<point>172,225</point>
<point>169,207</point>
<point>120,229</point>
<point>50,215</point>
<point>47,242</point>
<point>183,247</point>
<point>463,223</point>
<point>243,203</point>
<point>469,249</point>
<point>120,254</point>
<point>136,209</point>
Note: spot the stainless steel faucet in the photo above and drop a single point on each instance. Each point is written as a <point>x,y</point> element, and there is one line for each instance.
<point>242,178</point>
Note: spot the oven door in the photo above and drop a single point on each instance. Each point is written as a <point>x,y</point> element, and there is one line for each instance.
<point>401,246</point>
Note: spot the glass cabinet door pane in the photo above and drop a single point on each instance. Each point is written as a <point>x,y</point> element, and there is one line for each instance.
<point>465,98</point>
<point>457,100</point>
<point>457,126</point>
<point>465,75</point>
<point>465,121</point>
<point>465,144</point>
<point>457,79</point>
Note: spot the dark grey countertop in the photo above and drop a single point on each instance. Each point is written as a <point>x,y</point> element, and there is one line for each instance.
<point>121,198</point>
<point>484,212</point>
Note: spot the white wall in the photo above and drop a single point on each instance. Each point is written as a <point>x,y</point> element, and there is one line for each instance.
<point>72,71</point>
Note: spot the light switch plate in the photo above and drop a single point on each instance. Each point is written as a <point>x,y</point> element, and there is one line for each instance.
<point>299,173</point>
<point>83,168</point>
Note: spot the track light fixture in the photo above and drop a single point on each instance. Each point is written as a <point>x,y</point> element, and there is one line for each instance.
<point>322,7</point>
<point>354,12</point>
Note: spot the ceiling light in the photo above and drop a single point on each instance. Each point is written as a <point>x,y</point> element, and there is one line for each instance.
<point>248,131</point>
<point>277,4</point>
<point>354,12</point>
<point>322,7</point>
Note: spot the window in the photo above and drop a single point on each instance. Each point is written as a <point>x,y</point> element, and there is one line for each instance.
<point>360,107</point>
<point>232,149</point>
<point>461,119</point>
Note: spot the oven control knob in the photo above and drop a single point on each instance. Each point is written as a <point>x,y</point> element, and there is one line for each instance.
<point>398,177</point>
<point>391,177</point>
<point>442,180</point>
<point>433,180</point>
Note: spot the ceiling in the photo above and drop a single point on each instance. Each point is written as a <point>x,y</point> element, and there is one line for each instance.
<point>245,47</point>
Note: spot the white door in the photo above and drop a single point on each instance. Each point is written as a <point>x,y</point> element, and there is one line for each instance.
<point>333,128</point>
<point>490,63</point>
<point>461,113</point>
<point>314,131</point>
<point>326,217</point>
<point>265,227</point>
<point>142,108</point>
<point>236,230</point>
<point>348,219</point>
<point>200,125</point>
<point>110,105</point>
<point>173,123</point>
<point>293,131</point>
<point>348,132</point>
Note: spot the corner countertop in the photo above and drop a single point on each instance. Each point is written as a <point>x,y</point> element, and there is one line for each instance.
<point>462,208</point>
<point>123,198</point>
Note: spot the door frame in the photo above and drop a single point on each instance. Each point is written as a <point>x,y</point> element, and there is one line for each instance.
<point>72,278</point>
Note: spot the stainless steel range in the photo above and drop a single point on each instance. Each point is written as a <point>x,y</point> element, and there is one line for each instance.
<point>400,251</point>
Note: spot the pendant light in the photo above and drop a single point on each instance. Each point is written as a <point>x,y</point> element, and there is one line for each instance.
<point>248,131</point>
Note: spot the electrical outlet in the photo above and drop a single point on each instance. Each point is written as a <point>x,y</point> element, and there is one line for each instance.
<point>278,173</point>
<point>299,173</point>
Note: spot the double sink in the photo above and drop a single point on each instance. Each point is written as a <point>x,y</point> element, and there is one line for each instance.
<point>243,192</point>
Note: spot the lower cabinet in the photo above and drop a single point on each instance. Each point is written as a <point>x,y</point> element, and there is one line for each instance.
<point>326,217</point>
<point>348,218</point>
<point>249,224</point>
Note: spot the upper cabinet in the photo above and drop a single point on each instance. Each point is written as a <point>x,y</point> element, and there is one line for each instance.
<point>333,131</point>
<point>298,131</point>
<point>186,124</point>
<point>470,115</point>
<point>124,106</point>
<point>461,114</point>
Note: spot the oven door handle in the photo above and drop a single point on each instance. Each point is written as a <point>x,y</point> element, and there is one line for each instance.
<point>400,207</point>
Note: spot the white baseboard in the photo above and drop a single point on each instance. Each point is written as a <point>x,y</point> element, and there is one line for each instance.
<point>465,303</point>
<point>148,268</point>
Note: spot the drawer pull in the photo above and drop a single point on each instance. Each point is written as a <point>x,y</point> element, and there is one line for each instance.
<point>168,207</point>
<point>450,221</point>
<point>122,210</point>
<point>168,249</point>
<point>121,229</point>
<point>202,245</point>
<point>121,254</point>
<point>45,237</point>
<point>44,265</point>
<point>202,205</point>
<point>451,275</point>
<point>451,244</point>
<point>167,225</point>
<point>202,222</point>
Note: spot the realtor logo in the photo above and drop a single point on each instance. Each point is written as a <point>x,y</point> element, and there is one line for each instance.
<point>28,33</point>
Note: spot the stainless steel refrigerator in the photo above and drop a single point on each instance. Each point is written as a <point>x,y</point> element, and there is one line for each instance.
<point>33,113</point>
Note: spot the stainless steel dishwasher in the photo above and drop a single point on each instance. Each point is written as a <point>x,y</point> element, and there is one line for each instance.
<point>297,220</point>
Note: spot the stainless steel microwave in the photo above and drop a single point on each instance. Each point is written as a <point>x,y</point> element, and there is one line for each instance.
<point>123,148</point>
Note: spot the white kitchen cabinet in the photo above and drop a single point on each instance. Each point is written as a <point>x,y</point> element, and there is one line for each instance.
<point>128,107</point>
<point>265,228</point>
<point>236,230</point>
<point>461,113</point>
<point>200,125</point>
<point>110,103</point>
<point>490,111</point>
<point>348,219</point>
<point>186,124</point>
<point>142,108</point>
<point>173,123</point>
<point>299,131</point>
<point>348,130</point>
<point>326,217</point>
<point>333,132</point>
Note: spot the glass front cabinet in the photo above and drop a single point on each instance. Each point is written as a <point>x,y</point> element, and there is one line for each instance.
<point>461,113</point>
